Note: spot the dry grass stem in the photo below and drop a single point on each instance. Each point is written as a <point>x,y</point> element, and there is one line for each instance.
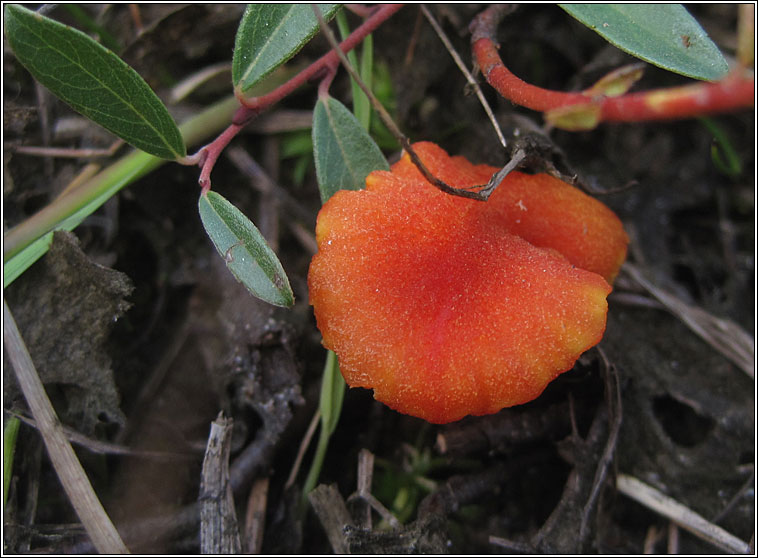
<point>70,472</point>
<point>725,336</point>
<point>679,514</point>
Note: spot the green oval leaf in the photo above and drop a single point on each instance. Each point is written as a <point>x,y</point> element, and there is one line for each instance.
<point>269,35</point>
<point>94,81</point>
<point>245,251</point>
<point>343,151</point>
<point>665,35</point>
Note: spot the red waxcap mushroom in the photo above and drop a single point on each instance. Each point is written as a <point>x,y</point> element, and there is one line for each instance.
<point>433,302</point>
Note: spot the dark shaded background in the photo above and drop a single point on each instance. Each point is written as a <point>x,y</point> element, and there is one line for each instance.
<point>193,342</point>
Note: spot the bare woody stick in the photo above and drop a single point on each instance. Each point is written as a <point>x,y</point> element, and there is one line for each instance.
<point>679,514</point>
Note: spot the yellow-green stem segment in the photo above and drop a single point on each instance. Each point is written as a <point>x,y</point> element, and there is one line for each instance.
<point>28,241</point>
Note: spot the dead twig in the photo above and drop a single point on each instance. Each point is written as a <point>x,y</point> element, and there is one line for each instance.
<point>255,518</point>
<point>479,192</point>
<point>66,152</point>
<point>262,182</point>
<point>219,533</point>
<point>679,514</point>
<point>459,62</point>
<point>332,511</point>
<point>724,335</point>
<point>108,448</point>
<point>615,414</point>
<point>741,493</point>
<point>365,476</point>
<point>304,444</point>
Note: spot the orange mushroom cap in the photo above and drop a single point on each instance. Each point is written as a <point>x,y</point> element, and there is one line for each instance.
<point>446,306</point>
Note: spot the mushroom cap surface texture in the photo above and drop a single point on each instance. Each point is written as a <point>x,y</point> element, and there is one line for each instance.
<point>447,306</point>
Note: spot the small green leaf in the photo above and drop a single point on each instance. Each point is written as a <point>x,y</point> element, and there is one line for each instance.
<point>245,251</point>
<point>269,35</point>
<point>344,152</point>
<point>94,81</point>
<point>665,35</point>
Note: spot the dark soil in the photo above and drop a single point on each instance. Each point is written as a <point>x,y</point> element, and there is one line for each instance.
<point>654,400</point>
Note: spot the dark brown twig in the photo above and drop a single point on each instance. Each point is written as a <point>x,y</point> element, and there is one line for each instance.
<point>613,403</point>
<point>480,192</point>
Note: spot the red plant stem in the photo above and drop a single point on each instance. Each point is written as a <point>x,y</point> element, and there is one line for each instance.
<point>735,91</point>
<point>207,156</point>
<point>361,9</point>
<point>515,89</point>
<point>212,152</point>
<point>326,81</point>
<point>329,59</point>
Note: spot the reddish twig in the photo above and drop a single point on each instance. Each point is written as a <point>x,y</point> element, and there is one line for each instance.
<point>329,59</point>
<point>326,80</point>
<point>733,92</point>
<point>209,154</point>
<point>479,192</point>
<point>324,67</point>
<point>361,10</point>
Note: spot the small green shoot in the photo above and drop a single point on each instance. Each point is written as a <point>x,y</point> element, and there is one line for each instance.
<point>723,154</point>
<point>330,407</point>
<point>361,104</point>
<point>9,449</point>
